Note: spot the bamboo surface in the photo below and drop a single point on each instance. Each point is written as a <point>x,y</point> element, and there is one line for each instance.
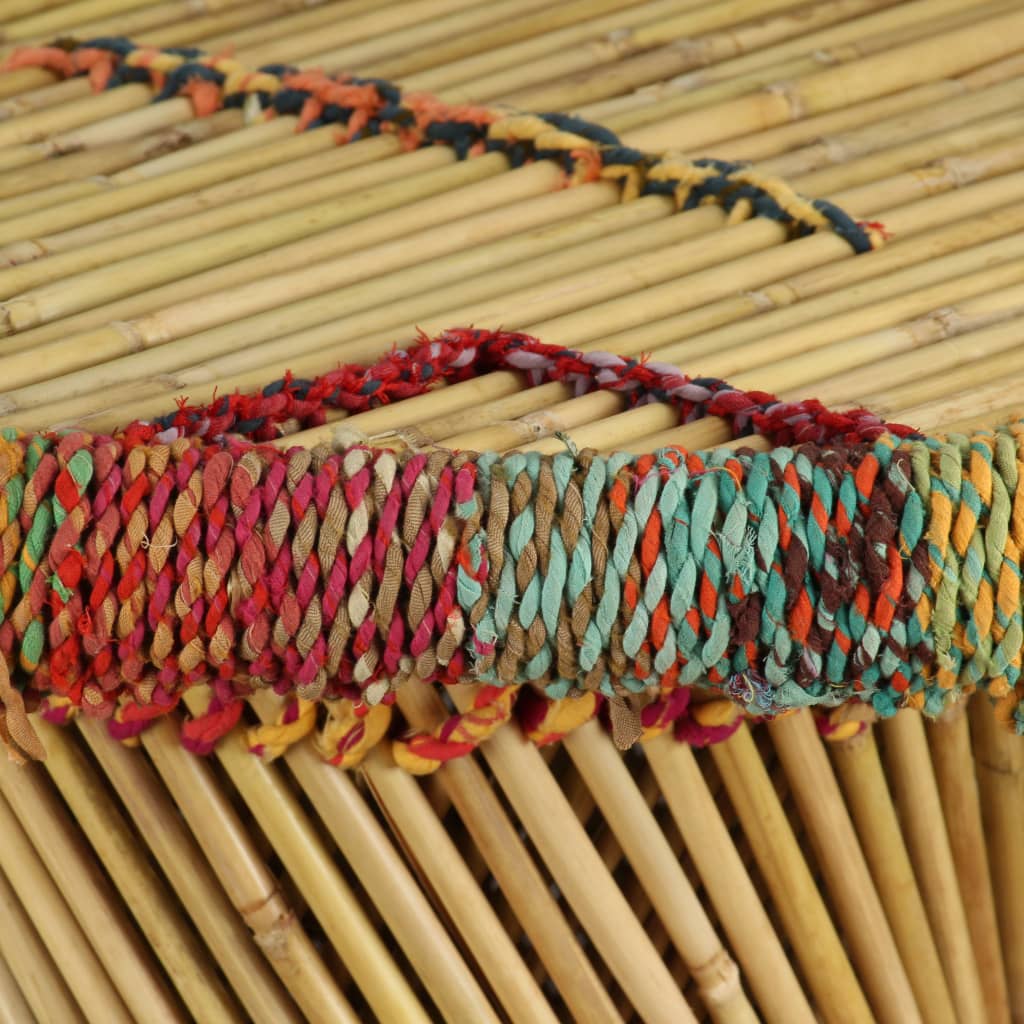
<point>147,254</point>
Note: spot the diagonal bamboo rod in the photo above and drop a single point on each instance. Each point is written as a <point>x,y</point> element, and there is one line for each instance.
<point>581,876</point>
<point>520,310</point>
<point>951,53</point>
<point>794,894</point>
<point>873,949</point>
<point>528,894</point>
<point>181,861</point>
<point>240,868</point>
<point>363,842</point>
<point>917,797</point>
<point>145,893</point>
<point>31,988</point>
<point>999,763</point>
<point>871,807</point>
<point>346,922</point>
<point>101,917</point>
<point>950,744</point>
<point>61,935</point>
<point>13,1007</point>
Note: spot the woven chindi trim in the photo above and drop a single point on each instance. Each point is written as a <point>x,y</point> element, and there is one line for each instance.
<point>370,106</point>
<point>867,565</point>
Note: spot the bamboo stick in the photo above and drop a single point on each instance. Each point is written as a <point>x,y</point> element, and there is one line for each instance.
<point>836,990</point>
<point>867,796</point>
<point>950,744</point>
<point>434,957</point>
<point>13,1008</point>
<point>243,201</point>
<point>182,863</point>
<point>31,988</point>
<point>925,60</point>
<point>546,252</point>
<point>846,41</point>
<point>858,907</point>
<point>59,845</point>
<point>999,763</point>
<point>240,868</point>
<point>309,863</point>
<point>60,933</point>
<point>658,871</point>
<point>122,278</point>
<point>437,858</point>
<point>917,797</point>
<point>629,72</point>
<point>529,896</point>
<point>580,874</point>
<point>152,906</point>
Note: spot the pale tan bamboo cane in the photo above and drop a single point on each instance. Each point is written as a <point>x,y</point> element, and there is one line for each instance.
<point>867,795</point>
<point>914,63</point>
<point>152,905</point>
<point>979,317</point>
<point>873,948</point>
<point>750,71</point>
<point>115,280</point>
<point>520,309</point>
<point>41,23</point>
<point>71,176</point>
<point>626,72</point>
<point>386,241</point>
<point>658,871</point>
<point>514,68</point>
<point>581,875</point>
<point>32,988</point>
<point>548,252</point>
<point>61,934</point>
<point>401,904</point>
<point>523,26</point>
<point>999,762</point>
<point>13,1007</point>
<point>528,895</point>
<point>917,797</point>
<point>345,920</point>
<point>60,846</point>
<point>242,872</point>
<point>794,894</point>
<point>179,857</point>
<point>251,149</point>
<point>436,857</point>
<point>950,744</point>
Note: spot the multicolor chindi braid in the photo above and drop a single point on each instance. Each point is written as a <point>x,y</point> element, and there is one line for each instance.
<point>867,564</point>
<point>370,106</point>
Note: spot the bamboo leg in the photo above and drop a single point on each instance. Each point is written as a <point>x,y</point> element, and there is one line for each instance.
<point>310,864</point>
<point>61,934</point>
<point>838,851</point>
<point>837,992</point>
<point>736,902</point>
<point>917,797</point>
<point>402,905</point>
<point>867,795</point>
<point>950,744</point>
<point>13,1007</point>
<point>999,762</point>
<point>657,869</point>
<point>29,976</point>
<point>581,876</point>
<point>436,856</point>
<point>527,893</point>
<point>72,865</point>
<point>144,892</point>
<point>181,860</point>
<point>240,867</point>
